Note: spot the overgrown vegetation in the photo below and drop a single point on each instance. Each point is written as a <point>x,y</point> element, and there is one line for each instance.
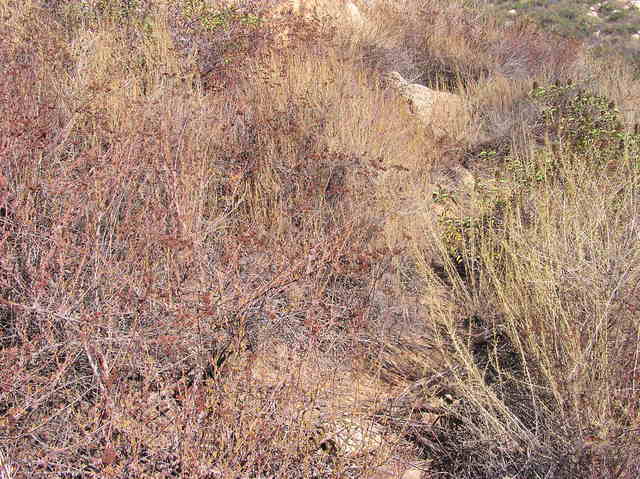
<point>609,26</point>
<point>228,250</point>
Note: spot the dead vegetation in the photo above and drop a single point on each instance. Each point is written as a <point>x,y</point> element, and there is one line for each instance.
<point>225,255</point>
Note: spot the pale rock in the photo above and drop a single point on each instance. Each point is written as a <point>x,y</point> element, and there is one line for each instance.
<point>352,436</point>
<point>442,111</point>
<point>343,434</point>
<point>344,12</point>
<point>354,15</point>
<point>337,8</point>
<point>395,469</point>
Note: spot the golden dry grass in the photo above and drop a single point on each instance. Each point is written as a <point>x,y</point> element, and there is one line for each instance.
<point>222,255</point>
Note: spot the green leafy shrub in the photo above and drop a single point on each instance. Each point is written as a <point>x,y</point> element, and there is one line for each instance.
<point>214,19</point>
<point>584,120</point>
<point>575,126</point>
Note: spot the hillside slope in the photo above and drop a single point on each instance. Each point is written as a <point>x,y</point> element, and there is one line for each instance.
<point>243,239</point>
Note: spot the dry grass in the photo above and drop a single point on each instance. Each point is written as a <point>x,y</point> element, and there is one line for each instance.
<point>225,255</point>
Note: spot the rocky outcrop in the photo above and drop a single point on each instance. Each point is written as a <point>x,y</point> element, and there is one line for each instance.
<point>354,15</point>
<point>341,9</point>
<point>443,112</point>
<point>446,114</point>
<point>342,414</point>
<point>345,14</point>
